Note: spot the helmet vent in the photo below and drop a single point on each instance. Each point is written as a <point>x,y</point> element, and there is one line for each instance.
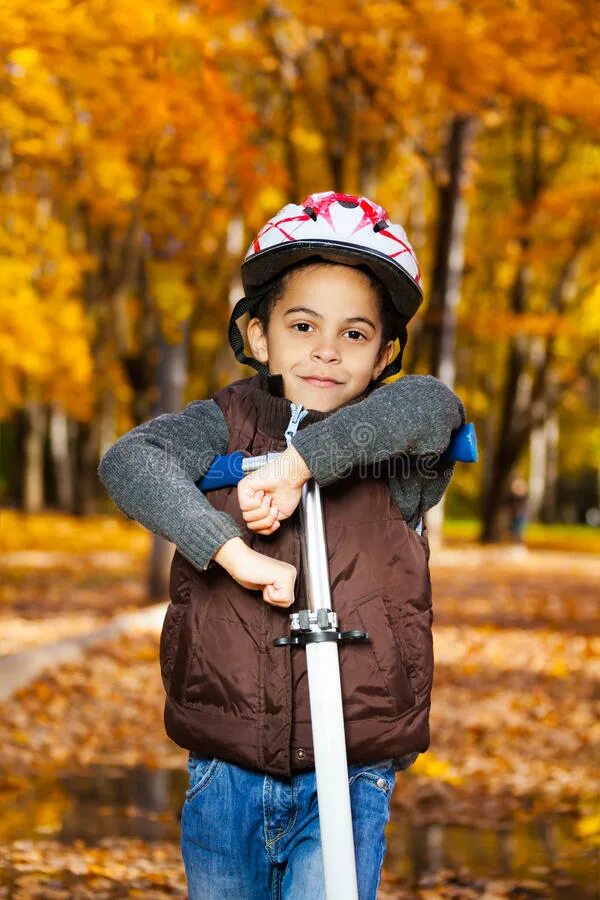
<point>310,213</point>
<point>348,204</point>
<point>380,226</point>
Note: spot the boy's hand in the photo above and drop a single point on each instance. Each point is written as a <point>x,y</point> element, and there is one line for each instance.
<point>272,492</point>
<point>258,572</point>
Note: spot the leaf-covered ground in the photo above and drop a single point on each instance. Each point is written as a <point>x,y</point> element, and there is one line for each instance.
<point>66,576</point>
<point>514,740</point>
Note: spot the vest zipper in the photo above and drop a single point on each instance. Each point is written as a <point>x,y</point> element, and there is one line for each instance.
<point>298,413</point>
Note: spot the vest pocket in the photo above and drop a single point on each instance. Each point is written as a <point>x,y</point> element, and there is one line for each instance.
<point>223,673</point>
<point>374,677</point>
<point>413,635</point>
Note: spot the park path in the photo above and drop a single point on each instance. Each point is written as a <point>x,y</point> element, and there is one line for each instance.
<point>17,670</point>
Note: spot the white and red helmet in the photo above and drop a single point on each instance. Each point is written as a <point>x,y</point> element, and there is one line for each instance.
<point>337,228</point>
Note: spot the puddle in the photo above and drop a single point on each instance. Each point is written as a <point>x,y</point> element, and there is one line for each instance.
<point>544,850</point>
<point>101,802</point>
<point>145,803</point>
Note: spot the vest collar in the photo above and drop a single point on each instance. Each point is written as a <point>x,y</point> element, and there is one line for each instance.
<point>274,410</point>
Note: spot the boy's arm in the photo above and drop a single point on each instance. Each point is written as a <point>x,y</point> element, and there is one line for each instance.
<point>414,415</point>
<point>151,471</point>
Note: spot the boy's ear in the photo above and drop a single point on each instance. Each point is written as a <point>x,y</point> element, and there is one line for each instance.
<point>383,359</point>
<point>257,340</point>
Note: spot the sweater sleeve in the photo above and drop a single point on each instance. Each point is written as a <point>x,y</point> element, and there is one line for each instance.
<point>414,415</point>
<point>151,471</point>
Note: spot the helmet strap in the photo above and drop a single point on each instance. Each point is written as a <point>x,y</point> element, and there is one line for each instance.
<point>236,341</point>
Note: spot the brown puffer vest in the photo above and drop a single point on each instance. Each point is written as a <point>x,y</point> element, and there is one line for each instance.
<point>233,695</point>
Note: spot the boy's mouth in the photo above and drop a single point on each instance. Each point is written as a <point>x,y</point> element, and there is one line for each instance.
<point>317,381</point>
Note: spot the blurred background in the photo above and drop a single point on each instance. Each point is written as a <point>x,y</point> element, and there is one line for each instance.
<point>141,147</point>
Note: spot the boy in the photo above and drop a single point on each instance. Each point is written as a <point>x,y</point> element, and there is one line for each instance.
<point>330,286</point>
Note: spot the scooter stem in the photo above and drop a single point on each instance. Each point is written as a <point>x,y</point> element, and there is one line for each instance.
<point>329,741</point>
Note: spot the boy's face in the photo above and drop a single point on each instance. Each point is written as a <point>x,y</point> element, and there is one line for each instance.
<point>324,337</point>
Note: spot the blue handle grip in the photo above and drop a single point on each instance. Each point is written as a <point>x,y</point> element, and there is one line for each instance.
<point>227,470</point>
<point>463,446</point>
<point>224,472</point>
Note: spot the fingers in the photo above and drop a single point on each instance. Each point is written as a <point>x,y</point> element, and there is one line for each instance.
<point>262,517</point>
<point>252,489</point>
<point>271,529</point>
<point>259,512</point>
<point>268,524</point>
<point>276,595</point>
<point>248,497</point>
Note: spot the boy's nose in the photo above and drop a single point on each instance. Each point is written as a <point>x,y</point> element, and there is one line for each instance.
<point>327,352</point>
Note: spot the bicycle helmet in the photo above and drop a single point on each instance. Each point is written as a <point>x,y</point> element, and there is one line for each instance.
<point>338,228</point>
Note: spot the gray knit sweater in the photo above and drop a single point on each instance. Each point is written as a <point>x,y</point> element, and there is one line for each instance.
<point>151,471</point>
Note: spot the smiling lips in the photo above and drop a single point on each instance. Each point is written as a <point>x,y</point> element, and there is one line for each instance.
<point>320,382</point>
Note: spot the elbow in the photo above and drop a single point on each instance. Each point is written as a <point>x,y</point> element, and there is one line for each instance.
<point>108,465</point>
<point>114,470</point>
<point>105,467</point>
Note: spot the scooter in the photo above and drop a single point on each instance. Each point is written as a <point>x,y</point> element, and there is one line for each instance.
<point>316,629</point>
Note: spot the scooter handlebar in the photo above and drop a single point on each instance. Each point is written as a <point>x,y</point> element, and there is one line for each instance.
<point>228,470</point>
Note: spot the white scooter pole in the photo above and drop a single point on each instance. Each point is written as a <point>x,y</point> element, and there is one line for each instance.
<point>329,742</point>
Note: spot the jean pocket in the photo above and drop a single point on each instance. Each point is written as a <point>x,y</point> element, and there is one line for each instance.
<point>380,777</point>
<point>202,771</point>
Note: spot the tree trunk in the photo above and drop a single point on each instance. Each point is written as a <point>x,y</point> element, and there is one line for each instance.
<point>417,232</point>
<point>449,252</point>
<point>159,566</point>
<point>538,446</point>
<point>106,427</point>
<point>549,505</point>
<point>34,420</point>
<point>440,329</point>
<point>86,458</point>
<point>338,142</point>
<point>61,458</point>
<point>171,376</point>
<point>511,440</point>
<point>368,174</point>
<point>11,459</point>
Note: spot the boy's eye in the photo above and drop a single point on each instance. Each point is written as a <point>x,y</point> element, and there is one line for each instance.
<point>356,335</point>
<point>302,326</point>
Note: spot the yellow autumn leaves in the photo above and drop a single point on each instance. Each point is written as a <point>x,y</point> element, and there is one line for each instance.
<point>44,332</point>
<point>113,123</point>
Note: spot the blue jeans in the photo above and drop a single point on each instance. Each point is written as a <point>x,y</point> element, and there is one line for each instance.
<point>249,836</point>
